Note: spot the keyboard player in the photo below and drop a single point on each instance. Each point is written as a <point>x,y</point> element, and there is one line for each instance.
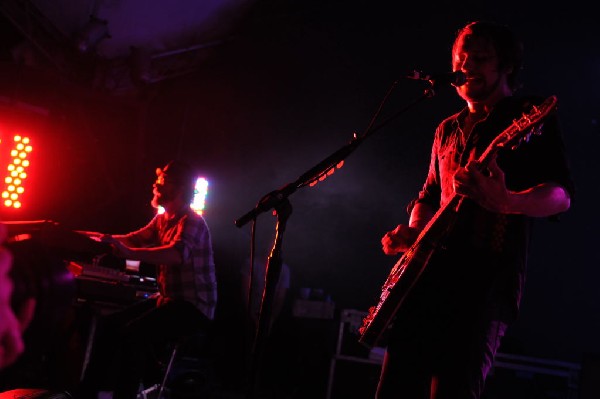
<point>178,242</point>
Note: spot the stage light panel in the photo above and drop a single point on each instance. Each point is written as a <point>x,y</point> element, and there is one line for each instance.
<point>13,164</point>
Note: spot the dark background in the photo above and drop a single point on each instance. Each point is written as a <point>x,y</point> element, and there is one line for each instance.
<point>292,84</point>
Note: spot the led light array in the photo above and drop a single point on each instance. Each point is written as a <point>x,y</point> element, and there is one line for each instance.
<point>16,172</point>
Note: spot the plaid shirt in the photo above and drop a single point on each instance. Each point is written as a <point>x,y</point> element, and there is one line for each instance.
<point>194,279</point>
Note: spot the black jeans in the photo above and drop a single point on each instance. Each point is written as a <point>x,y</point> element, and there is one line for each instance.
<point>447,364</point>
<point>125,341</point>
<point>446,333</point>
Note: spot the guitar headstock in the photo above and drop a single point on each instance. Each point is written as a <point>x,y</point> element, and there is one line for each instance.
<point>535,130</point>
<point>530,123</point>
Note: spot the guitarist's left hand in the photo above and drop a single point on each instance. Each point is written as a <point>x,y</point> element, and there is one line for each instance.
<point>486,186</point>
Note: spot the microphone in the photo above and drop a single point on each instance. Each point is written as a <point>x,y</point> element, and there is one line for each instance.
<point>456,78</point>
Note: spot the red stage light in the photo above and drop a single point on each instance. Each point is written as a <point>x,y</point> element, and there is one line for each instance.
<point>15,169</point>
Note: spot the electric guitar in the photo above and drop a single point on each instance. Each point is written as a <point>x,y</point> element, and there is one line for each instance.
<point>413,262</point>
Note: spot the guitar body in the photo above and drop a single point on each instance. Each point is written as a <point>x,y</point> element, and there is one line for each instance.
<point>406,272</point>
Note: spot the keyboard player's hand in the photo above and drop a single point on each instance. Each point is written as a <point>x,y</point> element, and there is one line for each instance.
<point>93,235</point>
<point>119,249</point>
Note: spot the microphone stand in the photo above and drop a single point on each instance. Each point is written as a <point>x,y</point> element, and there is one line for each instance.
<point>283,211</point>
<point>278,200</point>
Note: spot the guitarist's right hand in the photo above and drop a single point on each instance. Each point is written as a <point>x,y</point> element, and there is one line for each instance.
<point>399,239</point>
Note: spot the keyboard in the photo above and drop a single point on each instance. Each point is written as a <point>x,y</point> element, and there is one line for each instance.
<point>109,285</point>
<point>104,273</point>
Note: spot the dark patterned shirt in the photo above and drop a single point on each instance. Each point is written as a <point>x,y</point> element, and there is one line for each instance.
<point>492,248</point>
<point>194,279</point>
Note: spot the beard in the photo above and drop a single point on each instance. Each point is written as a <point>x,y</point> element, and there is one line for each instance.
<point>154,202</point>
<point>161,199</point>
